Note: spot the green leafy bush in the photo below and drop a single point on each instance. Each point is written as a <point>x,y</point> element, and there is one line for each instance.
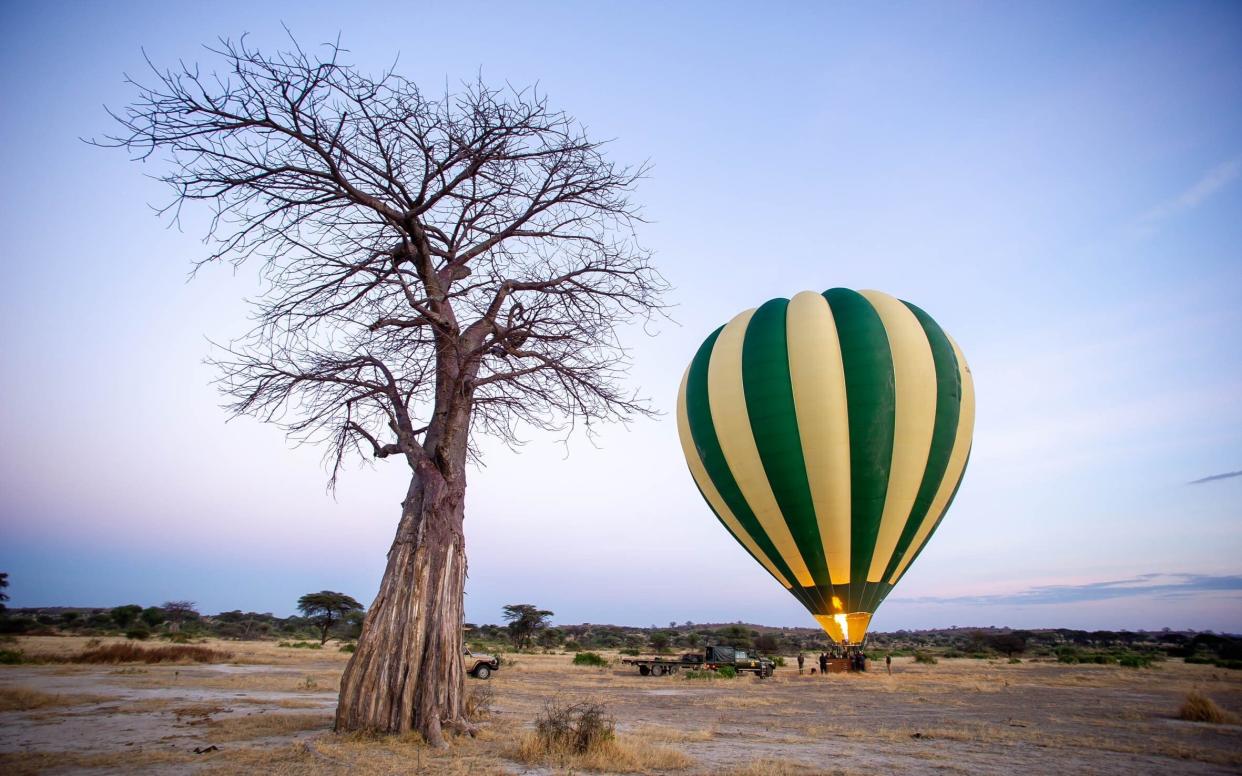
<point>590,659</point>
<point>300,645</point>
<point>1013,660</point>
<point>923,657</point>
<point>349,647</point>
<point>10,657</point>
<point>632,652</point>
<point>726,672</point>
<point>140,634</point>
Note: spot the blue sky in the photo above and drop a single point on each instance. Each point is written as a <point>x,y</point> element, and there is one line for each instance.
<point>1059,184</point>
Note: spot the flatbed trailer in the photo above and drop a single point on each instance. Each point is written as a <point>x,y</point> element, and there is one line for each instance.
<point>711,659</point>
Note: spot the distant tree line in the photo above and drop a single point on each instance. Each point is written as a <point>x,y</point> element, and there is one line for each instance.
<point>324,615</point>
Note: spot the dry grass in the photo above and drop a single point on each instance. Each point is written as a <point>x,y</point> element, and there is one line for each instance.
<point>249,726</point>
<point>620,754</point>
<point>771,767</point>
<point>583,736</point>
<point>26,699</point>
<point>670,735</point>
<point>31,763</point>
<point>1199,708</point>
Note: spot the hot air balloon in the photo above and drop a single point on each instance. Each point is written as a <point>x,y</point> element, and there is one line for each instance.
<point>829,434</point>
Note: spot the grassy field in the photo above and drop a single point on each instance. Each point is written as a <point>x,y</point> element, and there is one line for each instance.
<point>267,708</point>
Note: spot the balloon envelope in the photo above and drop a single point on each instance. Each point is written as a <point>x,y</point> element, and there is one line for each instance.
<point>829,434</point>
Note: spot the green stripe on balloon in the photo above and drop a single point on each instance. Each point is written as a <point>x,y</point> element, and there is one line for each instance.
<point>948,505</point>
<point>703,430</point>
<point>774,425</point>
<point>871,406</point>
<point>948,408</point>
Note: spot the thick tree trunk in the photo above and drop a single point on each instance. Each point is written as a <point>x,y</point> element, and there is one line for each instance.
<point>407,673</point>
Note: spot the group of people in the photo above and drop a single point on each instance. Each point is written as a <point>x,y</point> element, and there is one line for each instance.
<point>856,657</point>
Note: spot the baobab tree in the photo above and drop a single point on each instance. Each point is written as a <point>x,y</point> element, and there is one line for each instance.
<point>434,268</point>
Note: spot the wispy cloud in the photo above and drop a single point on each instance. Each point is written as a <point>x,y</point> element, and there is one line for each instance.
<point>1212,182</point>
<point>1211,477</point>
<point>1158,585</point>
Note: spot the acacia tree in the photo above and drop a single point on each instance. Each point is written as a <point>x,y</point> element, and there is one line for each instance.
<point>524,621</point>
<point>434,268</point>
<point>327,608</point>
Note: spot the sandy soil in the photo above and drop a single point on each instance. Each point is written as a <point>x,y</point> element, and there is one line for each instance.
<point>271,710</point>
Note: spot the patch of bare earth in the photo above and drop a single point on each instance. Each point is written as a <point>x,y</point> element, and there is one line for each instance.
<point>270,711</point>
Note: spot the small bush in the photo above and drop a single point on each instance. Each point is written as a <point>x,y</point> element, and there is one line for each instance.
<point>138,634</point>
<point>349,648</point>
<point>923,657</point>
<point>1131,660</point>
<point>575,728</point>
<point>705,674</point>
<point>478,703</point>
<point>954,652</point>
<point>300,645</point>
<point>629,651</point>
<point>778,661</point>
<point>590,659</point>
<point>1014,660</point>
<point>10,657</point>
<point>1200,708</point>
<point>726,672</point>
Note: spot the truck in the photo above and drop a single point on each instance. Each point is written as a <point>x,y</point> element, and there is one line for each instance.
<point>710,659</point>
<point>478,664</point>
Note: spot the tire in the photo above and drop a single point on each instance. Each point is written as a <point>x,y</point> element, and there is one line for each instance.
<point>482,672</point>
<point>644,670</point>
<point>657,670</point>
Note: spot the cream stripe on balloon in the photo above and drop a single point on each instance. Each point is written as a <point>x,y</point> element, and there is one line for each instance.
<point>953,473</point>
<point>727,399</point>
<point>914,379</point>
<point>714,499</point>
<point>818,378</point>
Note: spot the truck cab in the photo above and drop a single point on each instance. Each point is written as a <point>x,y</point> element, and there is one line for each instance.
<point>479,664</point>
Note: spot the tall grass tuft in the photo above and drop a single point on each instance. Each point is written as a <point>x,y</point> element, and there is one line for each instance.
<point>1199,708</point>
<point>134,653</point>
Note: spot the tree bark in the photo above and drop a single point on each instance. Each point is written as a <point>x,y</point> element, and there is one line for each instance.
<point>407,672</point>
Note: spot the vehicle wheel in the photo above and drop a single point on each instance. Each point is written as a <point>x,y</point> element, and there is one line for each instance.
<point>657,670</point>
<point>483,672</point>
<point>644,670</point>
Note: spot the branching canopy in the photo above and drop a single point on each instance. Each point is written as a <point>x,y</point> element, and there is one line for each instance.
<point>432,266</point>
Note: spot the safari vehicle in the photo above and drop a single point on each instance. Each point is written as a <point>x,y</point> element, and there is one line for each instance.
<point>478,664</point>
<point>710,659</point>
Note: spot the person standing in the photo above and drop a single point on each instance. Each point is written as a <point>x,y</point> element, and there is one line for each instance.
<point>801,660</point>
<point>823,662</point>
<point>888,663</point>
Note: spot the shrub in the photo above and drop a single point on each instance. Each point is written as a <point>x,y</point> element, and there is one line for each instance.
<point>140,634</point>
<point>1132,660</point>
<point>726,672</point>
<point>300,645</point>
<point>1200,708</point>
<point>954,652</point>
<point>479,700</point>
<point>629,651</point>
<point>10,657</point>
<point>923,657</point>
<point>590,659</point>
<point>349,647</point>
<point>778,661</point>
<point>706,674</point>
<point>574,728</point>
<point>1015,660</point>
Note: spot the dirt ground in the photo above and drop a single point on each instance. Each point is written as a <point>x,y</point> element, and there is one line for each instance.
<point>270,708</point>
